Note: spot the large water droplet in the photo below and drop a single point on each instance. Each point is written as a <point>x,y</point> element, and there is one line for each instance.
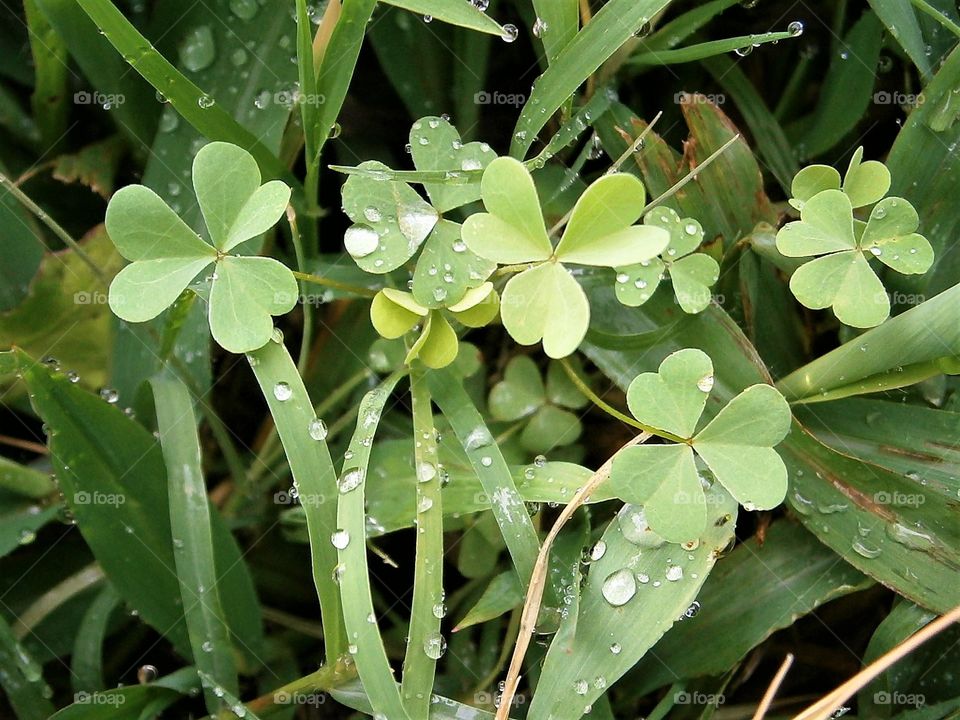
<point>282,391</point>
<point>340,539</point>
<point>434,645</point>
<point>350,480</point>
<point>360,241</point>
<point>317,429</point>
<point>197,51</point>
<point>416,221</point>
<point>619,587</point>
<point>634,527</point>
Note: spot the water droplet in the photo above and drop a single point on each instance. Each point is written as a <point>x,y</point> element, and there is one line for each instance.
<point>864,549</point>
<point>471,164</point>
<point>205,102</point>
<point>598,551</point>
<point>416,221</point>
<point>146,674</point>
<point>481,5</point>
<point>616,648</point>
<point>426,471</point>
<point>244,9</point>
<point>439,610</point>
<point>912,538</point>
<point>350,480</point>
<point>795,28</point>
<point>434,645</point>
<point>360,241</point>
<point>622,278</point>
<point>510,33</point>
<point>197,51</point>
<point>705,384</point>
<point>340,539</point>
<point>486,461</point>
<point>372,214</point>
<point>26,537</point>
<point>109,395</point>
<point>580,687</point>
<point>674,573</point>
<point>744,51</point>
<point>207,646</point>
<point>619,587</point>
<point>876,252</point>
<point>282,391</point>
<point>459,246</point>
<point>690,229</point>
<point>634,527</point>
<point>539,27</point>
<point>317,429</point>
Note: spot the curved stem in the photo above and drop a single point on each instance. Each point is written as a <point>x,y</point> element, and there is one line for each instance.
<point>335,284</point>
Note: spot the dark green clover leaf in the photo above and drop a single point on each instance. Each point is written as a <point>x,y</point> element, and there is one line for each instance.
<point>522,394</point>
<point>693,274</point>
<point>864,182</point>
<point>394,313</point>
<point>166,255</point>
<point>736,445</point>
<point>392,222</point>
<point>842,276</point>
<point>543,302</point>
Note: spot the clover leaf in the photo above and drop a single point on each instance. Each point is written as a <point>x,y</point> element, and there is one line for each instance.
<point>543,302</point>
<point>692,274</point>
<point>842,277</point>
<point>736,445</point>
<point>522,394</point>
<point>392,222</point>
<point>864,182</point>
<point>394,313</point>
<point>166,255</point>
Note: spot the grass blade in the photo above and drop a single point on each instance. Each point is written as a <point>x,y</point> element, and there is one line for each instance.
<point>454,12</point>
<point>612,26</point>
<point>419,667</point>
<point>193,536</point>
<point>561,20</point>
<point>22,678</point>
<point>488,463</point>
<point>86,660</point>
<point>704,50</point>
<point>354,577</point>
<point>190,101</point>
<point>313,474</point>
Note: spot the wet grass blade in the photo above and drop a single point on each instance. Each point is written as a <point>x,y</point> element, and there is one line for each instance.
<point>612,26</point>
<point>454,12</point>
<point>191,102</point>
<point>702,51</point>
<point>303,434</point>
<point>21,678</point>
<point>488,463</point>
<point>425,644</point>
<point>193,537</point>
<point>366,644</point>
<point>86,660</point>
<point>561,21</point>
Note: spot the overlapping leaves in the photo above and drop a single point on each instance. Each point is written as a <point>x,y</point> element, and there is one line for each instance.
<point>167,255</point>
<point>692,273</point>
<point>543,301</point>
<point>840,276</point>
<point>736,446</point>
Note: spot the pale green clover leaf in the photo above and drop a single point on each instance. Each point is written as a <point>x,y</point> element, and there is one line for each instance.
<point>736,445</point>
<point>842,276</point>
<point>864,182</point>
<point>435,145</point>
<point>166,255</point>
<point>544,302</point>
<point>394,313</point>
<point>692,273</point>
<point>522,395</point>
<point>446,269</point>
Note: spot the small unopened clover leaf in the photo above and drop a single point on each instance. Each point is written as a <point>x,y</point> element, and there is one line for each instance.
<point>842,277</point>
<point>394,313</point>
<point>864,182</point>
<point>166,255</point>
<point>543,302</point>
<point>692,274</point>
<point>736,445</point>
<point>522,395</point>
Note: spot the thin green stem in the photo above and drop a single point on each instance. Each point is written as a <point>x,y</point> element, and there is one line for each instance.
<point>335,284</point>
<point>54,226</point>
<point>509,639</point>
<point>425,643</point>
<point>690,175</point>
<point>306,340</point>
<point>609,409</point>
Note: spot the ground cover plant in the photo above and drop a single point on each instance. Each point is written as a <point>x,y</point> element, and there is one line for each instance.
<point>478,359</point>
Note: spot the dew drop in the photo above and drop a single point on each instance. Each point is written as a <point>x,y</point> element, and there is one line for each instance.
<point>705,384</point>
<point>317,429</point>
<point>340,539</point>
<point>282,391</point>
<point>539,27</point>
<point>434,645</point>
<point>350,480</point>
<point>360,241</point>
<point>197,51</point>
<point>619,587</point>
<point>510,33</point>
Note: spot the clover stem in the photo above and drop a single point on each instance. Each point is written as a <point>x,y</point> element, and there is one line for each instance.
<point>335,284</point>
<point>612,411</point>
<point>510,269</point>
<point>690,175</point>
<point>54,226</point>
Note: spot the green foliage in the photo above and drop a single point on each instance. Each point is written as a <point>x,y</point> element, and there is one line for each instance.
<point>478,464</point>
<point>736,446</point>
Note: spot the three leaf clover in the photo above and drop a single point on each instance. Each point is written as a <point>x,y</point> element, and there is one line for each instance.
<point>736,445</point>
<point>843,245</point>
<point>166,255</point>
<point>692,273</point>
<point>523,394</point>
<point>392,221</point>
<point>543,302</point>
<point>395,312</point>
